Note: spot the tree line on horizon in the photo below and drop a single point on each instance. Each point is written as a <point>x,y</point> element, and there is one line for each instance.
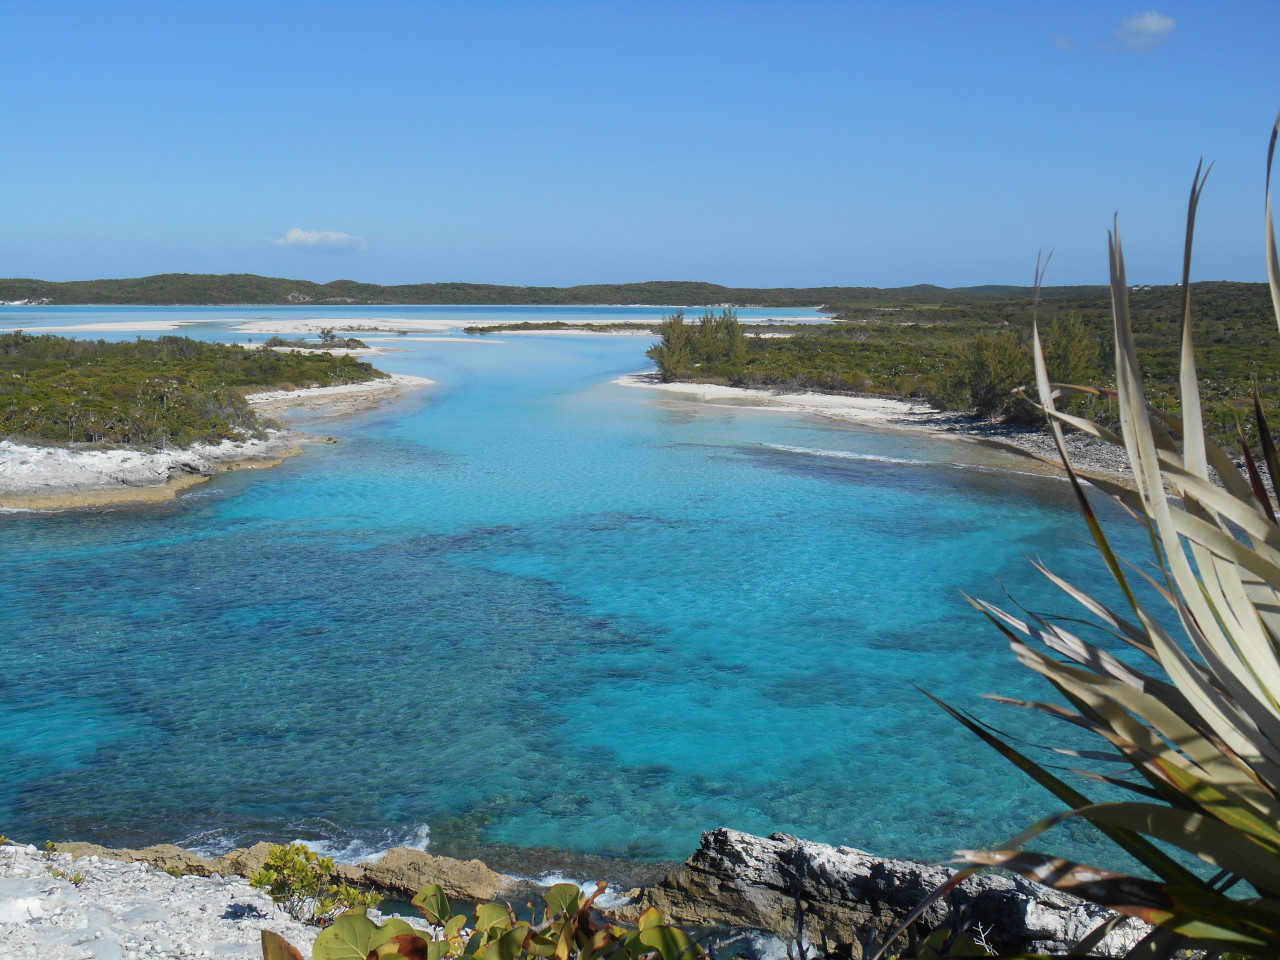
<point>195,289</point>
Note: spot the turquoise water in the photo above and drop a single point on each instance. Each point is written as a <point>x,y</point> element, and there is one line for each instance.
<point>529,606</point>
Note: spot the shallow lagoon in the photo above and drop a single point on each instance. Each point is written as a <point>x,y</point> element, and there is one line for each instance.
<point>529,606</point>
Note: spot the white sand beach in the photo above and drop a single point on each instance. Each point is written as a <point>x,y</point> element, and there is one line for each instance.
<point>867,410</point>
<point>1020,449</point>
<point>335,401</point>
<point>62,478</point>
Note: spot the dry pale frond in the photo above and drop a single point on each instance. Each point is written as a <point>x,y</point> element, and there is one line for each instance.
<point>1201,730</point>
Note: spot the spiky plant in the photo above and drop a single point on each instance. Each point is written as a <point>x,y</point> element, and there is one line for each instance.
<point>1195,729</point>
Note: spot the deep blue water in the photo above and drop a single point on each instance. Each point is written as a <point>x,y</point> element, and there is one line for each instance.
<point>530,606</point>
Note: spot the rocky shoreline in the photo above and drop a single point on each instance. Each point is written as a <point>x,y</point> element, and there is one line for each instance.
<point>839,897</point>
<point>761,893</point>
<point>69,478</point>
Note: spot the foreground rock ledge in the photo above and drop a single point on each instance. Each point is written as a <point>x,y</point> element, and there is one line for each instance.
<point>400,872</point>
<point>736,880</point>
<point>739,880</point>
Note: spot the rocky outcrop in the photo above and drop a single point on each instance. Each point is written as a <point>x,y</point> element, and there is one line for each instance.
<point>162,856</point>
<point>243,862</point>
<point>400,872</point>
<point>739,880</point>
<point>404,872</point>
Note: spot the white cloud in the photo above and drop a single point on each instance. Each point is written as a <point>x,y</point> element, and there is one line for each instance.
<point>321,241</point>
<point>1063,42</point>
<point>1146,30</point>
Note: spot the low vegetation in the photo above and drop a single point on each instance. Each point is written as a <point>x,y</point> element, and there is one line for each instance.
<point>966,365</point>
<point>302,883</point>
<point>328,340</point>
<point>566,930</point>
<point>972,355</point>
<point>172,391</point>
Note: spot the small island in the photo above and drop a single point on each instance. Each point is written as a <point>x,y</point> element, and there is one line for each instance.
<point>89,423</point>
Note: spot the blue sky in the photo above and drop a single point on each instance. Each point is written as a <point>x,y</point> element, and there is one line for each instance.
<point>753,144</point>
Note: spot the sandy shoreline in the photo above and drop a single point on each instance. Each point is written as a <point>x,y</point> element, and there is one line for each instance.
<point>62,478</point>
<point>1017,446</point>
<point>335,401</point>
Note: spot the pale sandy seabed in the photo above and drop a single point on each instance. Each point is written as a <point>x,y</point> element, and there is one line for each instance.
<point>463,339</point>
<point>341,325</point>
<point>104,326</point>
<point>404,328</point>
<point>354,326</point>
<point>62,478</point>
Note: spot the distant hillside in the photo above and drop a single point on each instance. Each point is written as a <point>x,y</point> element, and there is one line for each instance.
<point>195,289</point>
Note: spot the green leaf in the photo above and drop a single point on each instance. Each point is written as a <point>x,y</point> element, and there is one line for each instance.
<point>671,943</point>
<point>433,904</point>
<point>490,915</point>
<point>561,898</point>
<point>509,946</point>
<point>454,926</point>
<point>353,936</point>
<point>394,926</point>
<point>541,946</point>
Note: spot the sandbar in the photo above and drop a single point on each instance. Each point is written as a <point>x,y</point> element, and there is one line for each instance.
<point>335,401</point>
<point>347,325</point>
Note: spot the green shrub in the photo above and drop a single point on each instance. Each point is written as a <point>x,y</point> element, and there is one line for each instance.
<point>715,347</point>
<point>301,882</point>
<point>991,368</point>
<point>566,931</point>
<point>673,354</point>
<point>171,391</point>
